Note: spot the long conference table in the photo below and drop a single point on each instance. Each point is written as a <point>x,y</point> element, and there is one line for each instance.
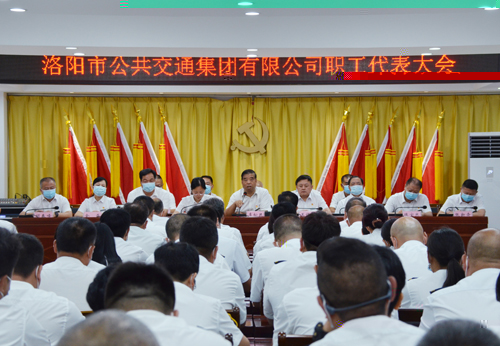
<point>44,228</point>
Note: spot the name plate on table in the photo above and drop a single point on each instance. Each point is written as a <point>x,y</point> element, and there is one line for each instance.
<point>43,214</point>
<point>412,213</point>
<point>92,214</point>
<point>304,213</point>
<point>462,213</point>
<point>258,213</point>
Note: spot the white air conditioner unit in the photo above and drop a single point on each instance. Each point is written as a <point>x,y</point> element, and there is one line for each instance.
<point>484,167</point>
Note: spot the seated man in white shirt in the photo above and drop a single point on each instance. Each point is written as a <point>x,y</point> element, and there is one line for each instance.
<point>299,272</point>
<point>159,217</point>
<point>182,262</point>
<point>148,188</point>
<point>445,249</point>
<point>474,297</point>
<point>355,293</point>
<point>287,230</point>
<point>138,235</point>
<point>55,314</point>
<point>409,200</point>
<point>344,224</point>
<point>118,220</point>
<point>459,333</point>
<point>147,293</point>
<point>49,201</point>
<point>354,218</point>
<point>18,326</point>
<point>409,241</point>
<point>151,226</point>
<point>309,199</point>
<point>226,231</point>
<point>212,281</point>
<point>209,183</point>
<point>111,327</point>
<point>337,197</point>
<point>173,227</point>
<point>467,200</point>
<point>356,186</point>
<point>69,276</point>
<point>250,197</point>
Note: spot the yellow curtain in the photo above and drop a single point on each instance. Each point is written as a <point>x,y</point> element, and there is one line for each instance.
<point>301,133</point>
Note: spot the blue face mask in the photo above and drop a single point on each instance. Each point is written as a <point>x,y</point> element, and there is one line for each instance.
<point>467,198</point>
<point>49,194</point>
<point>208,190</point>
<point>411,195</point>
<point>346,189</point>
<point>99,191</point>
<point>356,190</point>
<point>148,187</point>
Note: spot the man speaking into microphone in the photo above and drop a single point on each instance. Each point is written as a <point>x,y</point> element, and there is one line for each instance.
<point>250,197</point>
<point>49,200</point>
<point>410,199</point>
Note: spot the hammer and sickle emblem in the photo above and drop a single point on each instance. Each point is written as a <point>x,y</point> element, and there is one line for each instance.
<point>259,146</point>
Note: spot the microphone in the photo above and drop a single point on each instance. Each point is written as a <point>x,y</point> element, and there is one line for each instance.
<point>36,209</point>
<point>242,199</point>
<point>340,211</point>
<point>188,206</point>
<point>463,208</point>
<point>422,207</point>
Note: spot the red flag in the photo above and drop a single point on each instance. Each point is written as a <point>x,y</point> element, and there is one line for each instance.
<point>150,160</point>
<point>336,166</point>
<point>431,172</point>
<point>386,159</point>
<point>362,162</point>
<point>75,171</point>
<point>175,174</point>
<point>404,168</point>
<point>126,163</point>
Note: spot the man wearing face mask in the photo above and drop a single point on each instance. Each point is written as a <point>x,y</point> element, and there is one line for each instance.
<point>409,200</point>
<point>148,188</point>
<point>467,200</point>
<point>356,187</point>
<point>49,200</point>
<point>337,197</point>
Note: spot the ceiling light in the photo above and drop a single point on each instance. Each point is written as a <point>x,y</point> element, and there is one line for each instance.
<point>71,48</point>
<point>160,93</point>
<point>434,48</point>
<point>18,10</point>
<point>79,54</point>
<point>251,55</point>
<point>486,8</point>
<point>252,49</point>
<point>252,13</point>
<point>336,92</point>
<point>426,54</point>
<point>71,92</point>
<point>425,91</point>
<point>245,3</point>
<point>499,88</point>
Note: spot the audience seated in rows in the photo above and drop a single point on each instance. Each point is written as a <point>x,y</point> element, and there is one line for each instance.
<point>138,235</point>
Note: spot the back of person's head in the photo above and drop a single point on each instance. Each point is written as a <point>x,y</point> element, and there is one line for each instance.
<point>9,253</point>
<point>109,328</point>
<point>447,247</point>
<point>158,206</point>
<point>201,233</point>
<point>393,267</point>
<point>405,229</point>
<point>180,260</point>
<point>318,227</point>
<point>173,226</point>
<point>217,205</point>
<point>147,201</point>
<point>386,232</point>
<point>138,286</point>
<point>288,196</point>
<point>374,216</point>
<point>205,211</point>
<point>355,213</point>
<point>470,184</point>
<point>287,226</point>
<point>138,213</point>
<point>278,210</point>
<point>30,255</point>
<point>95,293</point>
<point>350,272</point>
<point>105,249</point>
<point>75,235</point>
<point>459,333</point>
<point>483,250</point>
<point>352,202</point>
<point>118,220</point>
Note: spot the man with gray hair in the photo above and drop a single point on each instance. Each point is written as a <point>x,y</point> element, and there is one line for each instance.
<point>49,200</point>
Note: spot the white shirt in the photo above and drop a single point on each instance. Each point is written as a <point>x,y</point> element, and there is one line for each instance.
<point>9,226</point>
<point>129,252</point>
<point>396,202</point>
<point>374,238</point>
<point>55,314</point>
<point>232,233</point>
<point>188,202</point>
<point>263,231</point>
<point>70,278</point>
<point>314,200</point>
<point>343,225</point>
<point>96,266</point>
<point>416,291</point>
<point>373,331</point>
<point>342,204</point>
<point>171,330</point>
<point>166,197</point>
<point>236,257</point>
<point>156,228</point>
<point>148,241</point>
<point>287,276</point>
<point>204,312</point>
<point>456,201</point>
<point>472,298</point>
<point>261,200</point>
<point>413,256</point>
<point>298,313</point>
<point>160,220</point>
<point>221,284</point>
<point>267,242</point>
<point>18,327</point>
<point>39,202</point>
<point>352,231</point>
<point>265,260</point>
<point>211,194</point>
<point>91,204</point>
<point>336,198</point>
